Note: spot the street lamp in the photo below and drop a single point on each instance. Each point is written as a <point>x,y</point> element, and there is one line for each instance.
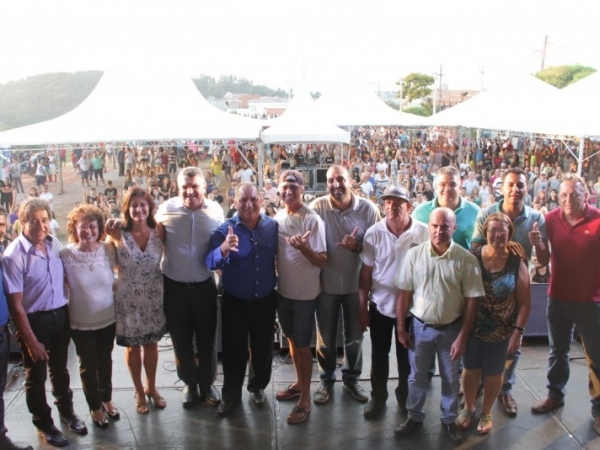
<point>402,83</point>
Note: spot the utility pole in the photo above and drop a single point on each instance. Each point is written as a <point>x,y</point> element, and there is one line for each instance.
<point>544,51</point>
<point>439,75</point>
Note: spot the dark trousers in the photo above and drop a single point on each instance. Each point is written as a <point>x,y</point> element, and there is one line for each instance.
<point>383,331</point>
<point>191,310</point>
<point>51,328</point>
<point>94,348</point>
<point>247,325</point>
<point>4,355</point>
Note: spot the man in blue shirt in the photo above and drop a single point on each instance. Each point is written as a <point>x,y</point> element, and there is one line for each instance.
<point>244,249</point>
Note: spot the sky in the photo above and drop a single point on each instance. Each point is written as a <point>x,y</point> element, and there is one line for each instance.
<point>316,42</point>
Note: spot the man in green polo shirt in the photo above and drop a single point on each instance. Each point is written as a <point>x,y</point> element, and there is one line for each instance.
<point>447,185</point>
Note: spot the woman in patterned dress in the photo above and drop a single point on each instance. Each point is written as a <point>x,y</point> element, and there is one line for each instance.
<point>89,271</point>
<point>139,310</point>
<point>500,320</point>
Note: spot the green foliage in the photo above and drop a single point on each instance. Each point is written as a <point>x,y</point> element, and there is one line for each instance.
<point>43,97</point>
<point>418,110</point>
<point>393,105</point>
<point>416,85</point>
<point>217,88</point>
<point>561,76</point>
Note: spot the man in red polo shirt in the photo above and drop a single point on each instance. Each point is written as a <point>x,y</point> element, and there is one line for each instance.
<point>574,295</point>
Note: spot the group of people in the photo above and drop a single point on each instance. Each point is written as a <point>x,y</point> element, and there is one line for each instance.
<point>442,278</point>
<point>147,249</point>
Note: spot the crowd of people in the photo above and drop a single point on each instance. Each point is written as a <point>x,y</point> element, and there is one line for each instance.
<point>413,240</point>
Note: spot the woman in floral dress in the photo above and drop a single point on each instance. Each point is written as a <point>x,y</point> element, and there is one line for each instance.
<point>139,310</point>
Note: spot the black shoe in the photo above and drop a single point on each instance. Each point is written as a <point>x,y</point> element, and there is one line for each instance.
<point>210,394</point>
<point>454,432</point>
<point>356,391</point>
<point>53,436</point>
<point>407,427</point>
<point>374,408</point>
<point>226,407</point>
<point>189,396</point>
<point>258,397</point>
<point>76,425</point>
<point>7,444</point>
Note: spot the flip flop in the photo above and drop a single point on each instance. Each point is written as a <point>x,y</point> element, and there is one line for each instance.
<point>298,414</point>
<point>287,394</point>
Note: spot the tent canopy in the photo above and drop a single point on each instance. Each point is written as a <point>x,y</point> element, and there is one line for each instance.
<point>303,122</point>
<point>504,107</point>
<point>136,105</point>
<point>358,105</point>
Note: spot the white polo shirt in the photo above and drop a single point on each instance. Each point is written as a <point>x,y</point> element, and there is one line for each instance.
<point>385,252</point>
<point>439,283</point>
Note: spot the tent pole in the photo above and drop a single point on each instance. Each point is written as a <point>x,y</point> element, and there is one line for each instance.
<point>580,157</point>
<point>260,164</point>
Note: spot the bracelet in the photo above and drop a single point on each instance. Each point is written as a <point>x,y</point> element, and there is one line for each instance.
<point>521,329</point>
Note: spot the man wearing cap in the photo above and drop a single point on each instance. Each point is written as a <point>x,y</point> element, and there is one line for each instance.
<point>301,254</point>
<point>384,247</point>
<point>347,218</point>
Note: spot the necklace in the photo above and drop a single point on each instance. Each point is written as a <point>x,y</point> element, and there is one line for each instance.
<point>87,261</point>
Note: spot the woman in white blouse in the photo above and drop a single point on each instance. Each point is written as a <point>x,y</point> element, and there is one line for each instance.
<point>89,268</point>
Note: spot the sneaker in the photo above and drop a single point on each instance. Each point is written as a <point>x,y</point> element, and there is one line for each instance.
<point>356,391</point>
<point>321,395</point>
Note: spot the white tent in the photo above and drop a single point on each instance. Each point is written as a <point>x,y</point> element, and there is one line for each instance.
<point>358,105</point>
<point>509,106</point>
<point>138,105</point>
<point>575,113</point>
<point>302,122</point>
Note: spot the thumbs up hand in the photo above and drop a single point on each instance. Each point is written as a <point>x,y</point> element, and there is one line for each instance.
<point>230,243</point>
<point>350,241</point>
<point>535,236</point>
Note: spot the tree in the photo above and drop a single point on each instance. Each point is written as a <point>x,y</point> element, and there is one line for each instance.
<point>561,76</point>
<point>415,86</point>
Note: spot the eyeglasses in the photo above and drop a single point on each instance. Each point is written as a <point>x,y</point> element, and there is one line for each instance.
<point>90,228</point>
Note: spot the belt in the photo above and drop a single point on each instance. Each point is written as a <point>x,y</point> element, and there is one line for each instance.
<point>440,327</point>
<point>48,313</point>
<point>189,285</point>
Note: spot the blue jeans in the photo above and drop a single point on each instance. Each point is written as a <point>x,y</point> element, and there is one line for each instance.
<point>427,342</point>
<point>562,318</point>
<point>510,371</point>
<point>328,311</point>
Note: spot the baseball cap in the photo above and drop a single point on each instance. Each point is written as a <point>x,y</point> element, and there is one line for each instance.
<point>291,176</point>
<point>394,190</point>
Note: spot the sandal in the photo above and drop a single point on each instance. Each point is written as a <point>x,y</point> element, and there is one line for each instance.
<point>464,419</point>
<point>158,401</point>
<point>287,394</point>
<point>112,413</point>
<point>299,414</point>
<point>141,405</point>
<point>485,424</point>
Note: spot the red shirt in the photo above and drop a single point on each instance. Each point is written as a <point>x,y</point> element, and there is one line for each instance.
<point>575,256</point>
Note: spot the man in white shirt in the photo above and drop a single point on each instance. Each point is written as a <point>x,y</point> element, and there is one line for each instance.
<point>45,195</point>
<point>245,174</point>
<point>186,223</point>
<point>384,247</point>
